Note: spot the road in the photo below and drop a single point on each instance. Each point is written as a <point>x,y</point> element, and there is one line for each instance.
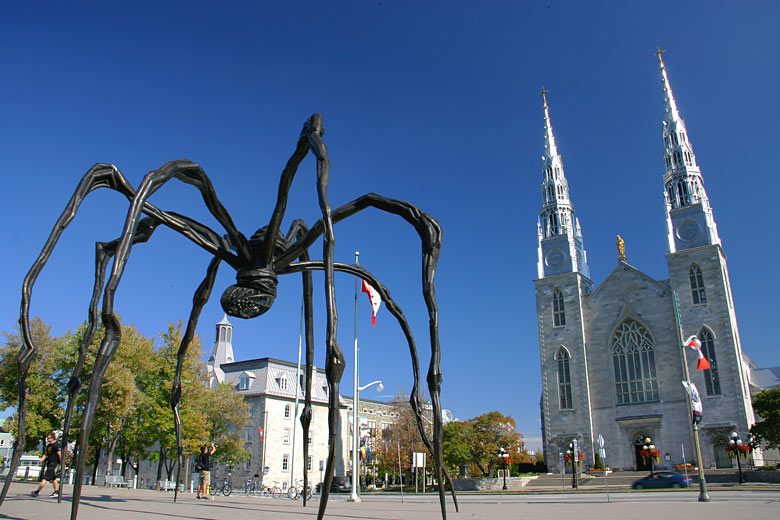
<point>122,504</point>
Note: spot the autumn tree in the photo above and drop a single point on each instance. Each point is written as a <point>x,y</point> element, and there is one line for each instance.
<point>403,434</point>
<point>44,412</point>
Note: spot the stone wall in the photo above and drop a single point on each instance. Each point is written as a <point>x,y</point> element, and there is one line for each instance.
<point>491,484</point>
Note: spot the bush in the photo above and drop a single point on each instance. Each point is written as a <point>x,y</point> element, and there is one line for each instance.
<point>597,464</point>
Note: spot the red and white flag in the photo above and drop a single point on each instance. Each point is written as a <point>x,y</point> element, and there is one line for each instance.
<point>261,432</point>
<point>373,297</point>
<point>694,343</point>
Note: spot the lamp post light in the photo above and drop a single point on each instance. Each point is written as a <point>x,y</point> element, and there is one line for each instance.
<point>572,452</point>
<point>736,442</point>
<point>503,455</point>
<point>649,448</point>
<point>356,435</point>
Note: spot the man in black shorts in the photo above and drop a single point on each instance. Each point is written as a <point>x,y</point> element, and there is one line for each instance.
<point>49,462</point>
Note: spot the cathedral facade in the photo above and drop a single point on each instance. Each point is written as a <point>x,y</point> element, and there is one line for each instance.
<point>611,354</point>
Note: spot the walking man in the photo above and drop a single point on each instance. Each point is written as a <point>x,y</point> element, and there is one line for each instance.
<point>203,465</point>
<point>51,458</point>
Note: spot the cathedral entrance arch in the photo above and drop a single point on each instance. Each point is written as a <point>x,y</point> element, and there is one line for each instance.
<point>642,464</point>
<point>722,459</point>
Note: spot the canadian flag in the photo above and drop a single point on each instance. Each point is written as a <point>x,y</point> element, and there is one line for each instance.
<point>261,432</point>
<point>694,342</point>
<point>374,298</point>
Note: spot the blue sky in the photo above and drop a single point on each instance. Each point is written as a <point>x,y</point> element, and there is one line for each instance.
<point>432,102</point>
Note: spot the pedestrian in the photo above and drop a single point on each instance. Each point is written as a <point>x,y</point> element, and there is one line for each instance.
<point>203,466</point>
<point>49,461</point>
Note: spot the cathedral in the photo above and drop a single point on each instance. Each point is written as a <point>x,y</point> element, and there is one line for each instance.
<point>611,354</point>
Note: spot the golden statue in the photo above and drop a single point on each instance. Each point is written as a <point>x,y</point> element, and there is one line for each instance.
<point>621,246</point>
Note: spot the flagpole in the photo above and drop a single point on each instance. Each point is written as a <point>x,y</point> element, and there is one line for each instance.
<point>355,400</point>
<point>703,496</point>
<point>297,386</point>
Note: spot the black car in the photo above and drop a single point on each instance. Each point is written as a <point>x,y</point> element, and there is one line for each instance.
<point>339,485</point>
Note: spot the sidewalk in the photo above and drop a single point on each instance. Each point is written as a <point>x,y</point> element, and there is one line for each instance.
<point>127,504</point>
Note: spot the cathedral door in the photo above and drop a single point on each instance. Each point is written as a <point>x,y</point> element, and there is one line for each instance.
<point>722,459</point>
<point>641,464</point>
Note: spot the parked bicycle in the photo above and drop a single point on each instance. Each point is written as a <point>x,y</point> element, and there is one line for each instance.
<point>223,485</point>
<point>275,491</point>
<point>252,486</point>
<point>295,492</point>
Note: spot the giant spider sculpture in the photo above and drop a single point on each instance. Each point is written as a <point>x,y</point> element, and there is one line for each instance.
<point>258,262</point>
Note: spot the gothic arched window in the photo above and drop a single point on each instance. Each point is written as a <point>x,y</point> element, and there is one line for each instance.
<point>708,349</point>
<point>633,361</point>
<point>697,285</point>
<point>564,379</point>
<point>559,313</point>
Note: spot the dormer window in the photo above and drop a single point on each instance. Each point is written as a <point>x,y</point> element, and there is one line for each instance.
<point>284,383</point>
<point>243,382</point>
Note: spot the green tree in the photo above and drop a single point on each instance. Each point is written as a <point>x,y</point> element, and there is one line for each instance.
<point>227,415</point>
<point>767,405</point>
<point>456,447</point>
<point>44,382</point>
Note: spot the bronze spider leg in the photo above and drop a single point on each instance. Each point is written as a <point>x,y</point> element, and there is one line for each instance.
<point>430,234</point>
<point>298,229</point>
<point>198,301</point>
<point>334,360</point>
<point>99,176</point>
<point>104,251</point>
<point>190,173</point>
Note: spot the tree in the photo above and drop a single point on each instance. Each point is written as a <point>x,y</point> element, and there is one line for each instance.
<point>487,434</point>
<point>227,415</point>
<point>403,434</point>
<point>456,448</point>
<point>767,405</point>
<point>44,382</point>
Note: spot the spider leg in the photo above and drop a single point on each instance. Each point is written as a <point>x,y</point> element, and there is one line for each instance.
<point>185,171</point>
<point>430,235</point>
<point>198,301</point>
<point>334,364</point>
<point>297,229</point>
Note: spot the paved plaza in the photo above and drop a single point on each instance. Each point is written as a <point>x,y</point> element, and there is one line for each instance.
<point>124,504</point>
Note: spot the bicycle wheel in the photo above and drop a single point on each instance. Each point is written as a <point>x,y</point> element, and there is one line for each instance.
<point>227,489</point>
<point>212,489</point>
<point>309,493</point>
<point>292,492</point>
<point>276,492</point>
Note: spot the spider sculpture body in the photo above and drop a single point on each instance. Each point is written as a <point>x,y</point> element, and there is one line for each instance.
<point>258,263</point>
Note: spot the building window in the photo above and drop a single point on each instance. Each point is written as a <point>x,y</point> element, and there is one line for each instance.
<point>559,313</point>
<point>697,285</point>
<point>708,349</point>
<point>308,463</point>
<point>564,379</point>
<point>633,361</point>
<point>285,462</point>
<point>309,440</point>
<point>284,384</point>
<point>286,437</point>
<point>249,435</point>
<point>243,382</point>
<point>287,411</point>
<point>248,464</point>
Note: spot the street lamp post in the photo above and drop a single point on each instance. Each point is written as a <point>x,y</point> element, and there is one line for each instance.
<point>572,452</point>
<point>736,442</point>
<point>503,455</point>
<point>649,448</point>
<point>356,435</point>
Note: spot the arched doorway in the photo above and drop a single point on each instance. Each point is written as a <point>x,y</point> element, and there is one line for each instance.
<point>642,464</point>
<point>722,459</point>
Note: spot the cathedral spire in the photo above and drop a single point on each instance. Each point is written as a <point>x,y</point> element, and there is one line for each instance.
<point>560,236</point>
<point>690,222</point>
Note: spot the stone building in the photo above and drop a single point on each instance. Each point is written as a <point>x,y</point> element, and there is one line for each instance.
<point>611,356</point>
<point>274,435</point>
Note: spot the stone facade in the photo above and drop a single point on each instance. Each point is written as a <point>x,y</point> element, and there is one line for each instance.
<point>611,356</point>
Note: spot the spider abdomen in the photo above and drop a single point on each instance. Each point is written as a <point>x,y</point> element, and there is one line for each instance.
<point>252,296</point>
